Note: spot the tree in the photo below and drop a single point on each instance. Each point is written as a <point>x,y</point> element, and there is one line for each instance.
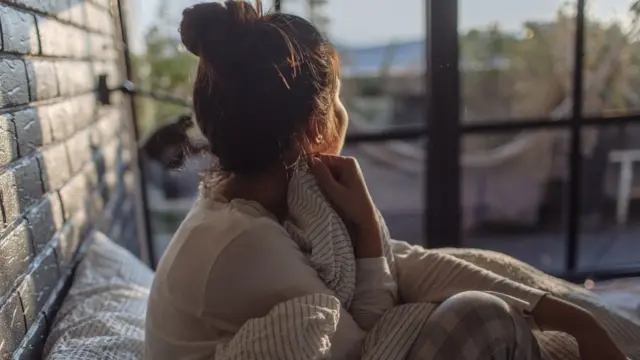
<point>164,66</point>
<point>538,81</point>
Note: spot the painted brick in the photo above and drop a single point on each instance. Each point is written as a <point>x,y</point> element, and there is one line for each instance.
<point>12,326</point>
<point>21,188</point>
<point>111,69</point>
<point>110,123</point>
<point>99,19</point>
<point>95,138</point>
<point>111,154</point>
<point>95,206</point>
<point>61,155</point>
<point>79,150</point>
<point>67,116</point>
<point>104,47</point>
<point>84,111</point>
<point>44,220</point>
<point>19,31</point>
<point>8,141</point>
<point>59,117</point>
<point>33,343</point>
<point>38,284</point>
<point>13,83</point>
<point>56,170</point>
<point>92,175</point>
<point>16,253</point>
<point>111,179</point>
<point>77,12</point>
<point>73,195</point>
<point>129,181</point>
<point>76,77</point>
<point>102,3</point>
<point>68,243</point>
<point>32,131</point>
<point>43,81</point>
<point>52,7</point>
<point>62,40</point>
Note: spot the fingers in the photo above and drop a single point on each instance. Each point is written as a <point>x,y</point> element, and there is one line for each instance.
<point>342,167</point>
<point>334,159</point>
<point>324,177</point>
<point>331,161</point>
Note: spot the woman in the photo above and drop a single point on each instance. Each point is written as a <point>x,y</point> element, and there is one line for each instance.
<point>266,97</point>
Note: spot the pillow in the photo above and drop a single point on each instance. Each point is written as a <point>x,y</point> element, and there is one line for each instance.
<point>103,315</point>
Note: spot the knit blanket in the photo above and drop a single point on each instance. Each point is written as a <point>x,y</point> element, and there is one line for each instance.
<point>301,328</point>
<point>319,231</point>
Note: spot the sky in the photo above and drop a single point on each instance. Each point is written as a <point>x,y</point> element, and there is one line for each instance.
<point>369,22</point>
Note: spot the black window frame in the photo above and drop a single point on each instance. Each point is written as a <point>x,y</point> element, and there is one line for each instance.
<point>442,188</point>
<point>442,117</point>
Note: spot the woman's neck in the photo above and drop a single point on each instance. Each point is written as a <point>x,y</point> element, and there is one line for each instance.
<point>269,189</point>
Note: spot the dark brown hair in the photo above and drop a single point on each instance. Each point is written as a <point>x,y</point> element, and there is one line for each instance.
<point>265,83</point>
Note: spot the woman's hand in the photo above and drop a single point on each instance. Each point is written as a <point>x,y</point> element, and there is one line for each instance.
<point>594,342</point>
<point>341,180</point>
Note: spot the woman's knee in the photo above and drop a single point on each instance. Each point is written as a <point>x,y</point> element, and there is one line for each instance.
<point>479,313</point>
<point>475,325</point>
<point>477,302</point>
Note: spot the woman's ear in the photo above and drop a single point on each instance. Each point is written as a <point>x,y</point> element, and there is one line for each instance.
<point>310,142</point>
<point>326,136</point>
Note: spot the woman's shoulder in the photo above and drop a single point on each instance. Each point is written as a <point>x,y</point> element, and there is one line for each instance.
<point>212,240</point>
<point>210,228</point>
<point>261,267</point>
<point>222,257</point>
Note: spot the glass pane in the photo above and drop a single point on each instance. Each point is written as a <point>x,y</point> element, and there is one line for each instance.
<point>383,87</point>
<point>513,195</point>
<point>162,65</point>
<point>396,186</point>
<point>516,60</point>
<point>612,75</point>
<point>382,82</point>
<point>611,198</point>
<point>170,192</point>
<point>382,66</point>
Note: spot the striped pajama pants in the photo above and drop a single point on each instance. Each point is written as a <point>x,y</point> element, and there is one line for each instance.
<point>479,326</point>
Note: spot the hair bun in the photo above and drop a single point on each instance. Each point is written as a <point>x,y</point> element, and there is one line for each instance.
<point>207,27</point>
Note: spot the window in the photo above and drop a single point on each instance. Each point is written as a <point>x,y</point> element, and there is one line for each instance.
<point>557,186</point>
<point>523,147</point>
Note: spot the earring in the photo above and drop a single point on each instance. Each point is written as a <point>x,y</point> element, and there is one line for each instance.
<point>319,139</point>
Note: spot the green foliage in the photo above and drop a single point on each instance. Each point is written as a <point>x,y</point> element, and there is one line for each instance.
<point>165,67</point>
<point>540,65</point>
<point>539,74</point>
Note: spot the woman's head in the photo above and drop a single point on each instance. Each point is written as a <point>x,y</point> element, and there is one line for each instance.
<point>266,88</point>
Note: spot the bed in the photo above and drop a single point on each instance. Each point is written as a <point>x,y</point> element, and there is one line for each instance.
<point>97,310</point>
<point>624,293</point>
